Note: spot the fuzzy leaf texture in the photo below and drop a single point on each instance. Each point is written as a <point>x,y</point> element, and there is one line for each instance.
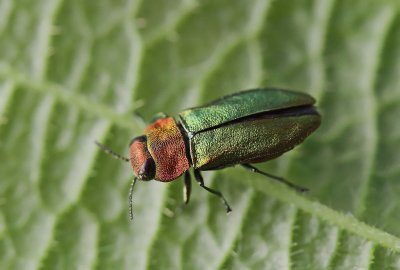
<point>72,72</point>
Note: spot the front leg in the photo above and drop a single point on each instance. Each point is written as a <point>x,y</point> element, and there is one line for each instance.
<point>187,188</point>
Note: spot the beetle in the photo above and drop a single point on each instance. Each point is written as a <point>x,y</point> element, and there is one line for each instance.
<point>246,127</point>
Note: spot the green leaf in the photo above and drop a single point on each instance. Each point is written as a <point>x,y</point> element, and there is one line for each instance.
<point>72,72</point>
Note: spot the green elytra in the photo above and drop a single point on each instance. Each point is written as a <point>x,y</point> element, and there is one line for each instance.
<point>246,127</point>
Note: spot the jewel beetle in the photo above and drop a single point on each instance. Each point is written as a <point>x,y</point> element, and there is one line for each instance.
<point>246,127</point>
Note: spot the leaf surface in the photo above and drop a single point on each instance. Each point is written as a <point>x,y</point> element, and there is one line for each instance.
<point>72,72</point>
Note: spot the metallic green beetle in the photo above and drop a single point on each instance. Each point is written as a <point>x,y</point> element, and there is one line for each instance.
<point>246,127</point>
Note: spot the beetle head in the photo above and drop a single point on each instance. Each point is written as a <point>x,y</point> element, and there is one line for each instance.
<point>143,164</point>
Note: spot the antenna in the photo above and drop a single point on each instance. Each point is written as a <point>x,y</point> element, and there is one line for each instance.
<point>120,157</point>
<point>111,152</point>
<point>130,200</point>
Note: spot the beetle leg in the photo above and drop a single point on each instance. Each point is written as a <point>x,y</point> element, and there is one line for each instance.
<point>157,116</point>
<point>138,115</point>
<point>154,118</point>
<point>276,178</point>
<point>200,180</point>
<point>187,188</point>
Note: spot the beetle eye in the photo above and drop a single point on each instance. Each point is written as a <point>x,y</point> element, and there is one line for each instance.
<point>147,170</point>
